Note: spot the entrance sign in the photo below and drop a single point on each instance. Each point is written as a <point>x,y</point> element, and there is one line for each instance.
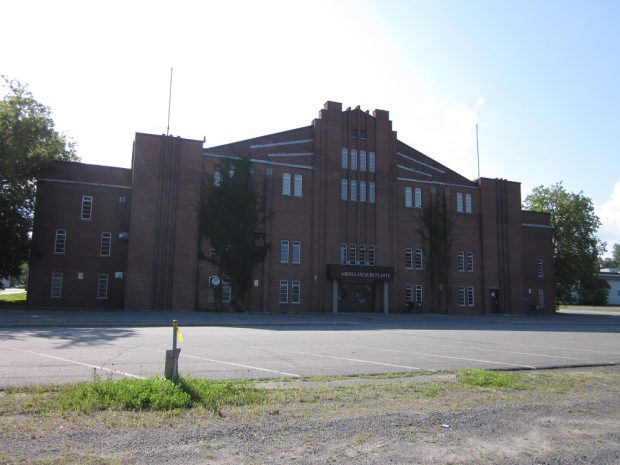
<point>360,274</point>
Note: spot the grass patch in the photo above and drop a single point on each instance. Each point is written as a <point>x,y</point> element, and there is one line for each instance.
<point>492,379</point>
<point>13,299</point>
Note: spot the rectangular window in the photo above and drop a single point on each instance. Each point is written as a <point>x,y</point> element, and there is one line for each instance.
<point>419,259</point>
<point>297,252</point>
<point>470,296</point>
<point>102,286</point>
<point>295,292</point>
<point>343,254</point>
<point>371,162</point>
<point>353,190</point>
<point>286,183</point>
<point>122,199</point>
<point>361,254</point>
<point>106,244</point>
<point>467,203</point>
<point>418,197</point>
<point>353,159</point>
<point>371,192</point>
<point>371,255</point>
<point>461,261</point>
<point>362,160</point>
<point>87,207</point>
<point>539,267</point>
<point>409,259</point>
<point>283,251</point>
<point>226,291</point>
<point>362,191</point>
<point>408,293</point>
<point>60,241</point>
<point>462,300</point>
<point>469,261</point>
<point>354,133</point>
<point>459,202</point>
<point>352,254</point>
<point>217,178</point>
<point>344,189</point>
<point>363,134</point>
<point>284,291</point>
<point>408,198</point>
<point>344,158</point>
<point>419,293</point>
<point>56,287</point>
<point>298,185</point>
<point>541,298</point>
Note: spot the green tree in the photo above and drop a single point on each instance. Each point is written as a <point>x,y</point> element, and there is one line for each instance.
<point>28,144</point>
<point>614,260</point>
<point>232,213</point>
<point>576,246</point>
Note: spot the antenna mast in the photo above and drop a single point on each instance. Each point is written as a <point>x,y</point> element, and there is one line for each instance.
<point>477,151</point>
<point>170,100</point>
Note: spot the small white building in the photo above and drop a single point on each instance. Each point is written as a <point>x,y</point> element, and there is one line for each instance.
<point>610,279</point>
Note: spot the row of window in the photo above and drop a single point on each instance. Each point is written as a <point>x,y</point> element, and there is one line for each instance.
<point>414,259</point>
<point>297,185</point>
<point>357,254</point>
<point>285,252</point>
<point>413,197</point>
<point>460,207</point>
<point>102,285</point>
<point>359,134</point>
<point>465,261</point>
<point>87,206</point>
<point>292,297</point>
<point>349,190</point>
<point>415,294</point>
<point>349,160</point>
<point>60,243</point>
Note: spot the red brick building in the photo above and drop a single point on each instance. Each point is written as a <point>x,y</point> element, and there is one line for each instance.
<point>348,229</point>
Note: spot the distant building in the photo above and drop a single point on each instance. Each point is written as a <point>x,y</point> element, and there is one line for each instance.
<point>610,281</point>
<point>346,232</point>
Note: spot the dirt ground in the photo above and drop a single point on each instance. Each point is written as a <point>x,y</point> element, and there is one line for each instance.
<point>565,417</point>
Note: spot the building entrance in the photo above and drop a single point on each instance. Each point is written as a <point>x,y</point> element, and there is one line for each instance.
<point>356,298</point>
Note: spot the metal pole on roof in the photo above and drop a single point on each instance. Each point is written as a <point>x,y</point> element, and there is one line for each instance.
<point>169,101</point>
<point>477,151</point>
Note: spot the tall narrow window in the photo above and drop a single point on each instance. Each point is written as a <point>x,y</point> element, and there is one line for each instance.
<point>362,160</point>
<point>353,190</point>
<point>217,177</point>
<point>106,244</point>
<point>470,296</point>
<point>343,254</point>
<point>87,207</point>
<point>539,267</point>
<point>467,203</point>
<point>298,192</point>
<point>371,192</point>
<point>60,241</point>
<point>541,298</point>
<point>297,252</point>
<point>461,261</point>
<point>286,183</point>
<point>362,191</point>
<point>408,293</point>
<point>469,261</point>
<point>353,159</point>
<point>343,189</point>
<point>418,197</point>
<point>371,255</point>
<point>226,291</point>
<point>408,198</point>
<point>459,202</point>
<point>409,259</point>
<point>419,259</point>
<point>102,286</point>
<point>462,296</point>
<point>361,254</point>
<point>295,292</point>
<point>419,293</point>
<point>56,287</point>
<point>371,162</point>
<point>283,251</point>
<point>344,158</point>
<point>283,291</point>
<point>352,254</point>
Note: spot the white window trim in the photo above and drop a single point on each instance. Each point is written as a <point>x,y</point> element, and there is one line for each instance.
<point>60,242</point>
<point>56,285</point>
<point>87,206</point>
<point>106,242</point>
<point>298,186</point>
<point>286,184</point>
<point>408,197</point>
<point>296,259</point>
<point>353,190</point>
<point>344,158</point>
<point>284,251</point>
<point>295,299</point>
<point>102,290</point>
<point>344,189</point>
<point>418,197</point>
<point>283,286</point>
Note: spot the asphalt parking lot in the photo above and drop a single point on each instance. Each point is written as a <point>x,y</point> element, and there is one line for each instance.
<point>62,347</point>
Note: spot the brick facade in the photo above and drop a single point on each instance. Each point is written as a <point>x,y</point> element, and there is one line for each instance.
<point>353,184</point>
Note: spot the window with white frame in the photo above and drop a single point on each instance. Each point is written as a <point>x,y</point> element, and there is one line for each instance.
<point>371,162</point>
<point>298,192</point>
<point>408,197</point>
<point>353,159</point>
<point>470,296</point>
<point>295,292</point>
<point>419,259</point>
<point>344,158</point>
<point>106,244</point>
<point>217,177</point>
<point>284,251</point>
<point>461,261</point>
<point>371,192</point>
<point>87,207</point>
<point>541,298</point>
<point>56,285</point>
<point>343,254</point>
<point>459,202</point>
<point>371,255</point>
<point>361,254</point>
<point>102,286</point>
<point>226,291</point>
<point>283,291</point>
<point>296,252</point>
<point>409,293</point>
<point>539,268</point>
<point>60,242</point>
<point>352,254</point>
<point>344,189</point>
<point>462,296</point>
<point>353,190</point>
<point>468,203</point>
<point>286,184</point>
<point>418,197</point>
<point>419,293</point>
<point>469,261</point>
<point>409,259</point>
<point>362,160</point>
<point>362,191</point>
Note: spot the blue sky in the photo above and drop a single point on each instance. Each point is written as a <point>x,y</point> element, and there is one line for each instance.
<point>540,78</point>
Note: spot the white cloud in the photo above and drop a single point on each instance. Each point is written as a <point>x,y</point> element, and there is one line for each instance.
<point>609,213</point>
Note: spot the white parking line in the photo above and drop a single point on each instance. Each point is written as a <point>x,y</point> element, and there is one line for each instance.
<point>97,367</point>
<point>352,360</point>
<point>293,375</point>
